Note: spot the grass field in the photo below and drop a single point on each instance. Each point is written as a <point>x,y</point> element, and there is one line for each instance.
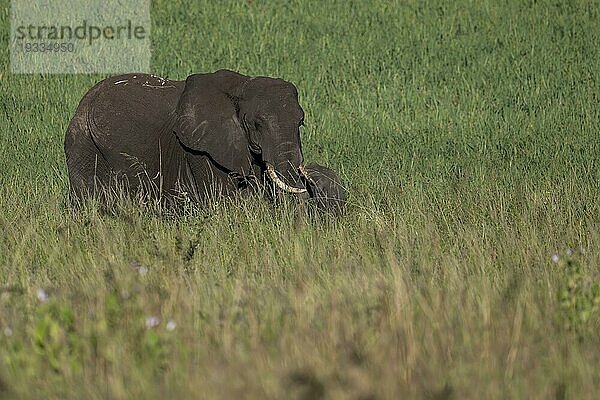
<point>468,136</point>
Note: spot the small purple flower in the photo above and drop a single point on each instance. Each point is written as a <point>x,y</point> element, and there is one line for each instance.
<point>555,258</point>
<point>171,325</point>
<point>152,322</point>
<point>42,295</point>
<point>569,252</point>
<point>587,284</point>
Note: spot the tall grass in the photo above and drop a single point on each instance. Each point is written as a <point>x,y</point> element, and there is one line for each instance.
<point>467,134</point>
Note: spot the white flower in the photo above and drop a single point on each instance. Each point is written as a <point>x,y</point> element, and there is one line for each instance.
<point>152,321</point>
<point>42,295</point>
<point>171,325</point>
<point>555,258</point>
<point>139,268</point>
<point>569,252</point>
<point>8,332</point>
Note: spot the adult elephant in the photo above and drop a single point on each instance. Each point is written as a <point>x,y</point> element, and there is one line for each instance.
<point>212,133</point>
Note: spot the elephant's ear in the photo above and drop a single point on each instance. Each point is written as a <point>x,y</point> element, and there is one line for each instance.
<point>207,120</point>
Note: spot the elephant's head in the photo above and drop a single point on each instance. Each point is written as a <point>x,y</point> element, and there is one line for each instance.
<point>236,119</point>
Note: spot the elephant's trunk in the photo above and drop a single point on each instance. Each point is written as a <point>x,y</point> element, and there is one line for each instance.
<point>280,184</point>
<point>283,161</point>
<point>283,156</point>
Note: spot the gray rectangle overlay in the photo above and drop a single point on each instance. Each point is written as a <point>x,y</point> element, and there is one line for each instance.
<point>80,37</point>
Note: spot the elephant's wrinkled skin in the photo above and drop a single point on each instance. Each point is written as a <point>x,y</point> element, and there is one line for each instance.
<point>212,133</point>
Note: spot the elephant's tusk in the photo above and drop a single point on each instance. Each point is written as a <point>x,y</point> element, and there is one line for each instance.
<point>304,172</point>
<point>280,184</point>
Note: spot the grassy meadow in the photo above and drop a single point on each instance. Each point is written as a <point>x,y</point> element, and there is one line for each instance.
<point>467,264</point>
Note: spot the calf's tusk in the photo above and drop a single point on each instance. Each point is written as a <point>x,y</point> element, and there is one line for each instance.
<point>304,172</point>
<point>280,184</point>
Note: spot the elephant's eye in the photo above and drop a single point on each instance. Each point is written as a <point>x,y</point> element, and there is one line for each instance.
<point>259,123</point>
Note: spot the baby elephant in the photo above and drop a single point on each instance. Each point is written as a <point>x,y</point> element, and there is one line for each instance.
<point>325,191</point>
<point>210,134</point>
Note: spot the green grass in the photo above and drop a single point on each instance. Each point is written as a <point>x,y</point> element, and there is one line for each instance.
<point>467,135</point>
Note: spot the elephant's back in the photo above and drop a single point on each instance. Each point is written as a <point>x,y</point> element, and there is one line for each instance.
<point>127,106</point>
<point>128,119</point>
